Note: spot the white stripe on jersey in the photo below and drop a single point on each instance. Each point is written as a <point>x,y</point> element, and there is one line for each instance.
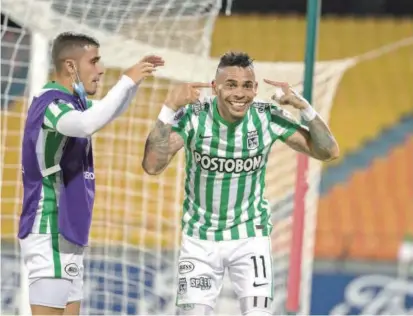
<point>257,189</point>
<point>40,148</point>
<point>221,152</point>
<point>265,136</point>
<point>54,109</point>
<point>238,142</point>
<point>38,216</point>
<point>47,122</point>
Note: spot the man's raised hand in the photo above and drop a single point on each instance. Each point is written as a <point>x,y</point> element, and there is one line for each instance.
<point>153,59</point>
<point>144,68</point>
<point>288,95</point>
<point>184,94</point>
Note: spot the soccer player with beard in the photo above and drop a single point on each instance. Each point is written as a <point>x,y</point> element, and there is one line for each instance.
<point>226,218</point>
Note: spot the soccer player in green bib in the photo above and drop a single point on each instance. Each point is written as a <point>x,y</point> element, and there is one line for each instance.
<point>226,220</point>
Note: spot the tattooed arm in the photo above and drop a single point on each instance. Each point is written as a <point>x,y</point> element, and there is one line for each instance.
<point>318,142</point>
<point>161,145</point>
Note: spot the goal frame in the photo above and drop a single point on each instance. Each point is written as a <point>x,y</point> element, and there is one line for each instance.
<point>301,186</point>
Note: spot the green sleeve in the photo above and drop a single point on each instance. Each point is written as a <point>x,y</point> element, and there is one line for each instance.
<point>282,124</point>
<point>182,122</point>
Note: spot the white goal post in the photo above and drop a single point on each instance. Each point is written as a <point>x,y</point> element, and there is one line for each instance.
<point>131,264</point>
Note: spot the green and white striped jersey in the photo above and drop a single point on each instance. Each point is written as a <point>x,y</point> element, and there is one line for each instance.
<point>225,169</point>
<point>49,150</point>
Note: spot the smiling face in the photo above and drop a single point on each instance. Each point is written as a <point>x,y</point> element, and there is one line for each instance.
<point>235,87</point>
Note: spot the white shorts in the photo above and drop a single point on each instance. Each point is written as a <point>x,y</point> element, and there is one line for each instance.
<point>202,264</point>
<point>51,256</point>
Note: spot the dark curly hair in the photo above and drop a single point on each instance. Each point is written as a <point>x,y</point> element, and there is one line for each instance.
<point>239,59</point>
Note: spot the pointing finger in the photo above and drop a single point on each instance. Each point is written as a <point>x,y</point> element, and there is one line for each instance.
<point>285,87</point>
<point>200,85</point>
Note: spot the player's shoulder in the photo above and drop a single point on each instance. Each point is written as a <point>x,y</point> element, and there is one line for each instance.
<point>261,106</point>
<point>203,105</point>
<point>187,113</point>
<point>57,107</point>
<point>275,111</point>
<point>64,98</point>
<point>55,102</point>
<point>195,109</point>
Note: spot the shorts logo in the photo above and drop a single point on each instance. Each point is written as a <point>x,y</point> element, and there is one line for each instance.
<point>89,175</point>
<point>182,286</point>
<point>252,140</point>
<point>203,283</point>
<point>185,267</point>
<point>72,269</point>
<point>187,307</point>
<point>255,284</point>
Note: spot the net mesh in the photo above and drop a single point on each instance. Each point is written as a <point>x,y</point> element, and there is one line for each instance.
<point>131,264</point>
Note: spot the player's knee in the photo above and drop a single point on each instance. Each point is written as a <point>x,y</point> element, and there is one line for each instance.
<point>256,306</point>
<point>195,309</point>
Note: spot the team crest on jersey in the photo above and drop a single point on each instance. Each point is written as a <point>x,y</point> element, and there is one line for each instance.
<point>252,140</point>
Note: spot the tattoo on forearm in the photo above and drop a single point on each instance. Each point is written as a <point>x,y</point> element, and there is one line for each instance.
<point>323,143</point>
<point>157,146</point>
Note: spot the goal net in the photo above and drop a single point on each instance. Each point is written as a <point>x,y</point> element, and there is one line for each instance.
<point>131,262</point>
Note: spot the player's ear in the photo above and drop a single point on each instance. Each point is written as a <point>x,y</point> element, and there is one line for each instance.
<point>256,87</point>
<point>69,65</point>
<point>214,87</point>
